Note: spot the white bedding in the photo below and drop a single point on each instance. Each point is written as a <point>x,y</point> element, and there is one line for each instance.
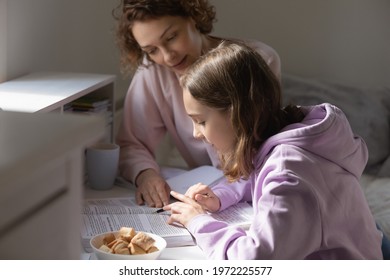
<point>377,192</point>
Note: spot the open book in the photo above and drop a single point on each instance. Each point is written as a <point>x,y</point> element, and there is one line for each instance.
<point>102,215</point>
<point>108,214</point>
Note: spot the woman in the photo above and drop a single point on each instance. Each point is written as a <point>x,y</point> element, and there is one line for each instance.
<point>300,167</point>
<point>160,39</point>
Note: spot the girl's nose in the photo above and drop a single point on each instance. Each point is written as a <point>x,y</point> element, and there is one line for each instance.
<point>197,134</point>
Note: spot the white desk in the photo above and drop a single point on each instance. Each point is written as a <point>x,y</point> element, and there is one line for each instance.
<point>178,253</point>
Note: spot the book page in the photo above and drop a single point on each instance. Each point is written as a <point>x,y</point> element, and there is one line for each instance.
<point>207,175</point>
<point>240,214</point>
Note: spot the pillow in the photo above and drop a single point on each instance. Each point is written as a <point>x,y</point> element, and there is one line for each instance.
<point>384,169</point>
<point>369,118</point>
<point>377,193</point>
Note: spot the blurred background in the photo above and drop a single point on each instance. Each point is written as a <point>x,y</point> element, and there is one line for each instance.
<point>346,41</point>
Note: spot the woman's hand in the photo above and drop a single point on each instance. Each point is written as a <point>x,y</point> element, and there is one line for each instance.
<point>152,189</point>
<point>204,196</point>
<point>184,210</point>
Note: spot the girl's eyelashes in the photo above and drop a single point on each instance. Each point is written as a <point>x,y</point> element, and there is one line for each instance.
<point>197,122</point>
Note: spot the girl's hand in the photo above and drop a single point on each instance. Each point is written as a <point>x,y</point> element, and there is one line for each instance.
<point>184,210</point>
<point>204,196</point>
<point>152,189</point>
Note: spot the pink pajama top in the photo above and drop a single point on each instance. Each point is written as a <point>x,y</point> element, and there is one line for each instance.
<point>154,106</point>
<point>306,197</point>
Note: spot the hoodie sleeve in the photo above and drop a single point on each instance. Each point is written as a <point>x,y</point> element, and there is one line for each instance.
<point>286,224</point>
<point>232,193</point>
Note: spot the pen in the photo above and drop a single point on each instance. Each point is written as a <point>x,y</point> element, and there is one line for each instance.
<point>159,210</point>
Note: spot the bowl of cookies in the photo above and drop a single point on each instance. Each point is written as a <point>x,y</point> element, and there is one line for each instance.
<point>127,244</point>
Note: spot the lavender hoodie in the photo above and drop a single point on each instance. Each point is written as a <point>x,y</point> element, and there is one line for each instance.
<point>306,197</point>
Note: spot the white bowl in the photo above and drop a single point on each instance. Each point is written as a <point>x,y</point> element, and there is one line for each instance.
<point>97,241</point>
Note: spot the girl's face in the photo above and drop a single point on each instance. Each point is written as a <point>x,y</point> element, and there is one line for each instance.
<point>173,42</point>
<point>210,124</point>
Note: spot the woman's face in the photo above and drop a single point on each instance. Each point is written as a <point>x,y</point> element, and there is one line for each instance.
<point>210,125</point>
<point>173,42</point>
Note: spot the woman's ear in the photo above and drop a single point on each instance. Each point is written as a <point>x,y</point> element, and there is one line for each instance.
<point>193,23</point>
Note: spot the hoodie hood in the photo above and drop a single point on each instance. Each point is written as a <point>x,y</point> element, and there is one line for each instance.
<point>326,132</point>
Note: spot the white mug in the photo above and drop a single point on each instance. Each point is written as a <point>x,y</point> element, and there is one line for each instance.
<point>102,165</point>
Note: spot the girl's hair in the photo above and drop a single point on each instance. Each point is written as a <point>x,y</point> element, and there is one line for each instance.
<point>130,11</point>
<point>235,79</point>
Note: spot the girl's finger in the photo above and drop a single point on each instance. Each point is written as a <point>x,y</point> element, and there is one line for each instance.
<point>198,188</point>
<point>173,207</point>
<point>181,197</point>
<point>202,197</point>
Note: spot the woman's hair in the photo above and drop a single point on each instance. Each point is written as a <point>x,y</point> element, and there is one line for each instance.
<point>130,11</point>
<point>235,79</point>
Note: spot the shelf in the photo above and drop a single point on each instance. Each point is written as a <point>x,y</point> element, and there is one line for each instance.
<point>54,91</point>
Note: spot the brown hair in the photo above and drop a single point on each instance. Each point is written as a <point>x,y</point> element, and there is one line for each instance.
<point>130,11</point>
<point>234,78</point>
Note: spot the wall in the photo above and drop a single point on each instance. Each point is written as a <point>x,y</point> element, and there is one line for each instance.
<point>3,41</point>
<point>340,40</point>
<point>60,35</point>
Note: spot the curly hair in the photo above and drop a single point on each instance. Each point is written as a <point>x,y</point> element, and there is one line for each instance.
<point>234,78</point>
<point>129,11</point>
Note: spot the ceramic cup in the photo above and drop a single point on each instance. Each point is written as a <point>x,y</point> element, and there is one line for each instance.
<point>102,165</point>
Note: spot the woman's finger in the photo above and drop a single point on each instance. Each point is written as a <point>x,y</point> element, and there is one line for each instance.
<point>138,197</point>
<point>148,199</point>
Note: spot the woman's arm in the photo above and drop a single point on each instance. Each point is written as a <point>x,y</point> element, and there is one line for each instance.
<point>140,133</point>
